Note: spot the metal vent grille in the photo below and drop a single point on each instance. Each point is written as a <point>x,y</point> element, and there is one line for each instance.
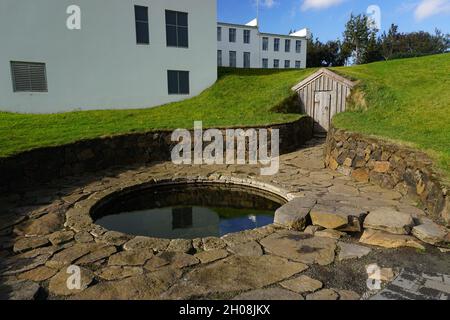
<point>29,77</point>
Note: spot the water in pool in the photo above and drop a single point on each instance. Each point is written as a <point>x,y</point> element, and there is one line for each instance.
<point>188,211</point>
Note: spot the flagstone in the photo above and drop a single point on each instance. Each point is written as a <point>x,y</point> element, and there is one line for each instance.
<point>234,274</point>
<point>270,294</point>
<point>301,247</point>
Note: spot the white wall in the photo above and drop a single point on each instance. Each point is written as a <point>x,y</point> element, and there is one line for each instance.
<point>282,55</point>
<point>101,66</point>
<point>255,47</point>
<point>239,46</point>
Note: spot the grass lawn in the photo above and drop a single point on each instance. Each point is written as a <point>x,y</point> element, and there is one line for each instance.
<point>408,101</point>
<point>239,98</point>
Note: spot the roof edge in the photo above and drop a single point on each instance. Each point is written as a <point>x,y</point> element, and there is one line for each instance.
<point>320,72</point>
<point>236,25</point>
<point>244,26</point>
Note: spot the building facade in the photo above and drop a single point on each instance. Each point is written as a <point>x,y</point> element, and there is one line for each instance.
<point>244,46</point>
<point>123,53</point>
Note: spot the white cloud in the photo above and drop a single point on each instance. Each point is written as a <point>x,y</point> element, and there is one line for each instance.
<point>319,4</point>
<point>407,7</point>
<point>428,8</point>
<point>267,3</point>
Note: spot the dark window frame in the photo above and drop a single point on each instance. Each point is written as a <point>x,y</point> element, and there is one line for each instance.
<point>178,29</point>
<point>298,46</point>
<point>142,39</point>
<point>287,45</point>
<point>219,34</point>
<point>265,44</point>
<point>265,63</point>
<point>277,64</point>
<point>179,90</point>
<point>249,60</point>
<point>182,218</point>
<point>276,44</point>
<point>232,31</point>
<point>247,36</point>
<point>29,75</point>
<point>219,58</point>
<point>234,53</point>
<point>287,64</point>
<point>298,64</point>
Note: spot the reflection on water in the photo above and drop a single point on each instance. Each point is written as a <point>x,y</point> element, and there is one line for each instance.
<point>182,218</point>
<point>185,223</point>
<point>188,212</point>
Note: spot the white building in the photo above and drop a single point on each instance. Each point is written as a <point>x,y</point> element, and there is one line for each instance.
<point>244,46</point>
<point>127,54</point>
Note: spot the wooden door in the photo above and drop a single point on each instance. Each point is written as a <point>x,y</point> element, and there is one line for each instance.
<point>322,110</point>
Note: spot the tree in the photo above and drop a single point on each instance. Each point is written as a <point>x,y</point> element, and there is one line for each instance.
<point>356,37</point>
<point>389,42</point>
<point>373,50</point>
<point>396,45</point>
<point>324,54</point>
<point>361,42</point>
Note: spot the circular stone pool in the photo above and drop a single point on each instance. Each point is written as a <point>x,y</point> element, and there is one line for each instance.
<point>188,211</point>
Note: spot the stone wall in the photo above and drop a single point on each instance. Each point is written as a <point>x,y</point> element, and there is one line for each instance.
<point>390,166</point>
<point>29,169</point>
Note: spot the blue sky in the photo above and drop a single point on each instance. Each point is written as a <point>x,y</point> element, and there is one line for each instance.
<point>326,18</point>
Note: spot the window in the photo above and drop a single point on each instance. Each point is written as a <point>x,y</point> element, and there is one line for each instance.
<point>265,63</point>
<point>276,44</point>
<point>246,36</point>
<point>219,33</point>
<point>287,45</point>
<point>29,77</point>
<point>177,29</point>
<point>246,59</point>
<point>182,218</point>
<point>298,46</point>
<point>232,35</point>
<point>265,45</point>
<point>178,82</point>
<point>141,18</point>
<point>219,58</point>
<point>287,64</point>
<point>276,63</point>
<point>298,64</point>
<point>233,59</point>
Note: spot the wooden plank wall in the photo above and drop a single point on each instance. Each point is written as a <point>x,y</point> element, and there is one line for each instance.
<point>324,83</point>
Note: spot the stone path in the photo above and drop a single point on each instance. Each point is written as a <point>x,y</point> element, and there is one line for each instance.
<point>43,232</point>
<point>411,285</point>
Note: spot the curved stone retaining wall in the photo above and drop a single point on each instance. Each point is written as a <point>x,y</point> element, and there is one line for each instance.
<point>80,218</point>
<point>389,166</point>
<point>42,165</point>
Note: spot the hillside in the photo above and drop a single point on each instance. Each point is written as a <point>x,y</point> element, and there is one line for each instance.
<point>239,98</point>
<point>408,101</point>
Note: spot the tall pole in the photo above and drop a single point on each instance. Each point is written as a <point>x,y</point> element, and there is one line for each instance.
<point>259,37</point>
<point>257,13</point>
